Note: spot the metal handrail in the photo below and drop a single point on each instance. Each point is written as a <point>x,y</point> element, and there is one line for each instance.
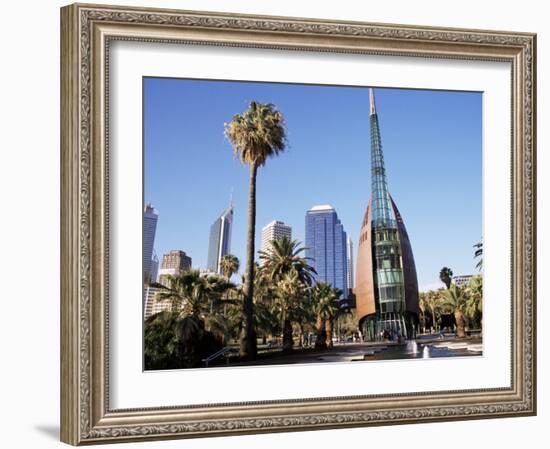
<point>222,352</point>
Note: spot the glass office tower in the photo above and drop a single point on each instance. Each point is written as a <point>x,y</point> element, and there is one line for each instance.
<point>326,247</point>
<point>386,284</point>
<point>219,244</point>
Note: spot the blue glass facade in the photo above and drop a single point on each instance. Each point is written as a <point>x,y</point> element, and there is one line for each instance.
<point>326,247</point>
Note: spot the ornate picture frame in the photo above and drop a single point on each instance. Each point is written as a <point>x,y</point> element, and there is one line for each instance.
<point>86,34</point>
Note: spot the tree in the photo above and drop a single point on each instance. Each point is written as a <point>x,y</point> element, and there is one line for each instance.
<point>332,311</point>
<point>432,300</point>
<point>229,266</point>
<point>478,254</point>
<point>256,135</point>
<point>192,294</point>
<point>283,257</point>
<point>291,291</point>
<point>455,299</point>
<point>161,347</point>
<point>326,309</point>
<point>446,276</point>
<point>183,330</point>
<point>474,304</point>
<point>422,305</point>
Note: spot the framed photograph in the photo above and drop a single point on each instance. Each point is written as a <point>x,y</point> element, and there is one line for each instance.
<point>277,224</point>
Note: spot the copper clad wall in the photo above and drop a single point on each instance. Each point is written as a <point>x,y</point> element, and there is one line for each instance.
<point>364,282</point>
<point>409,267</point>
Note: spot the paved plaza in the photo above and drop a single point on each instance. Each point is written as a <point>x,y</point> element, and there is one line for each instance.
<point>422,348</point>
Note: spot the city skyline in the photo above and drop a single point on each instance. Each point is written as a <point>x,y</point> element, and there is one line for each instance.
<point>190,233</point>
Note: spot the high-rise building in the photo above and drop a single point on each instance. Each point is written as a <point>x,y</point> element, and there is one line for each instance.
<point>150,218</point>
<point>462,280</point>
<point>173,263</point>
<point>149,301</point>
<point>274,231</point>
<point>386,283</point>
<point>154,267</point>
<point>349,255</point>
<point>326,247</point>
<point>219,244</point>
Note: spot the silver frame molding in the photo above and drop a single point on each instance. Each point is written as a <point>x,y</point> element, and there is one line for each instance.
<point>86,32</point>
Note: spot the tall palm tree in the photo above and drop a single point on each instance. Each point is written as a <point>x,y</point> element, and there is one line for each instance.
<point>256,135</point>
<point>455,299</point>
<point>478,254</point>
<point>446,276</point>
<point>229,265</point>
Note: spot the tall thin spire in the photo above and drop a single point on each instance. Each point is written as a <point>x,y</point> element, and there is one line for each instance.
<point>231,199</point>
<point>372,102</point>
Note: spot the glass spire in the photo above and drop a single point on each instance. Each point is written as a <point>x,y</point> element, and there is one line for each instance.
<point>388,269</point>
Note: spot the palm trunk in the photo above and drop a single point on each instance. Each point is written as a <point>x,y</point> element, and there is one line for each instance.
<point>301,337</point>
<point>321,340</point>
<point>433,320</point>
<point>248,349</point>
<point>288,342</point>
<point>330,328</point>
<point>460,322</point>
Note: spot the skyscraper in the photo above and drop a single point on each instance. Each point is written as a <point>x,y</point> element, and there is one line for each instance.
<point>273,231</point>
<point>386,283</point>
<point>220,239</point>
<point>173,263</point>
<point>326,246</point>
<point>150,218</point>
<point>154,267</point>
<point>349,255</point>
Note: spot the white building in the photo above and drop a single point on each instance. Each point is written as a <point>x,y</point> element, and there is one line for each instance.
<point>462,280</point>
<point>274,231</point>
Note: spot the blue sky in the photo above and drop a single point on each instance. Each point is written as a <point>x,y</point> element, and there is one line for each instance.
<point>432,143</point>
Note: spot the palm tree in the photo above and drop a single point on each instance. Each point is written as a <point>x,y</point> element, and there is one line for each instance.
<point>229,265</point>
<point>433,301</point>
<point>422,305</point>
<point>332,312</point>
<point>474,304</point>
<point>256,135</point>
<point>283,257</point>
<point>455,299</point>
<point>192,294</point>
<point>291,291</point>
<point>446,276</point>
<point>325,308</point>
<point>478,253</point>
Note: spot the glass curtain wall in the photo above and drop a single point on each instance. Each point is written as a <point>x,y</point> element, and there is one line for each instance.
<point>388,268</point>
